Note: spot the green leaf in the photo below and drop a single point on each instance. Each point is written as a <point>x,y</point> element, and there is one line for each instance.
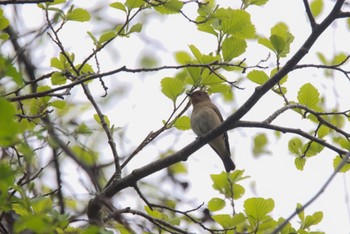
<point>172,87</point>
<point>105,118</point>
<point>258,77</point>
<point>183,57</point>
<point>8,124</point>
<point>258,208</point>
<point>170,7</point>
<point>136,28</point>
<point>279,41</point>
<point>106,36</point>
<point>227,185</point>
<point>78,14</point>
<point>59,104</point>
<point>195,74</point>
<point>182,123</point>
<point>42,205</point>
<point>56,63</point>
<point>118,5</point>
<point>227,222</point>
<point>57,78</point>
<point>301,212</point>
<point>131,4</point>
<point>197,54</point>
<point>299,163</point>
<point>209,78</point>
<point>308,95</point>
<point>311,220</point>
<point>233,47</point>
<point>86,155</point>
<point>338,160</point>
<point>247,3</point>
<point>323,131</point>
<point>260,143</point>
<point>178,168</point>
<point>316,7</point>
<point>236,22</point>
<point>216,204</point>
<point>4,22</point>
<point>311,149</point>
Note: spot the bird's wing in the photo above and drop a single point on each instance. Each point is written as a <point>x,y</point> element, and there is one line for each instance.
<point>227,144</point>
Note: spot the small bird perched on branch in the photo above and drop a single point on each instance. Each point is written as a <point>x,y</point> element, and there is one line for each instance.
<point>205,117</point>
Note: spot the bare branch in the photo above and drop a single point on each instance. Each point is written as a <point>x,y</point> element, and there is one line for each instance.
<point>309,14</point>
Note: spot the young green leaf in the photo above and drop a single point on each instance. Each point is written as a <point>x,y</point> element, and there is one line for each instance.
<point>236,22</point>
<point>316,7</point>
<point>170,7</point>
<point>172,87</point>
<point>182,123</point>
<point>197,54</point>
<point>8,125</point>
<point>216,204</point>
<point>338,160</point>
<point>131,4</point>
<point>260,143</point>
<point>232,47</point>
<point>78,14</point>
<point>311,220</point>
<point>118,5</point>
<point>258,77</point>
<point>57,78</point>
<point>299,163</point>
<point>308,95</point>
<point>257,209</point>
<point>136,28</point>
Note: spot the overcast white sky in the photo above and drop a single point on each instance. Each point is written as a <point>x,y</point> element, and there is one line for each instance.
<point>273,175</point>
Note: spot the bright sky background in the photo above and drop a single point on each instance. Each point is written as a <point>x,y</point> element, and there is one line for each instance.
<point>271,176</point>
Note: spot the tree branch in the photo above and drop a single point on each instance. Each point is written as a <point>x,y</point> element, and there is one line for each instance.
<point>312,199</point>
<point>95,205</point>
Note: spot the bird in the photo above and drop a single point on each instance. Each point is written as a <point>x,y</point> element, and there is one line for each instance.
<point>205,117</point>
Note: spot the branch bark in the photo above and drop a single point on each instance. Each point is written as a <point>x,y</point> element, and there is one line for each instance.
<point>95,204</point>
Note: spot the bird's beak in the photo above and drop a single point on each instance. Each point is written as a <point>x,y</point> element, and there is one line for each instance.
<point>189,94</point>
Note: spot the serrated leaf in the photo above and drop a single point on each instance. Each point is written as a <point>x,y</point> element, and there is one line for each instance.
<point>299,163</point>
<point>316,7</point>
<point>216,204</point>
<point>172,87</point>
<point>308,95</point>
<point>258,208</point>
<point>337,161</point>
<point>258,77</point>
<point>236,22</point>
<point>170,7</point>
<point>41,205</point>
<point>233,47</point>
<point>131,4</point>
<point>227,222</point>
<point>57,78</point>
<point>182,123</point>
<point>78,14</point>
<point>228,186</point>
<point>118,5</point>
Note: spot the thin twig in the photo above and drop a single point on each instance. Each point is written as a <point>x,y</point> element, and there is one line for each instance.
<point>313,198</point>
